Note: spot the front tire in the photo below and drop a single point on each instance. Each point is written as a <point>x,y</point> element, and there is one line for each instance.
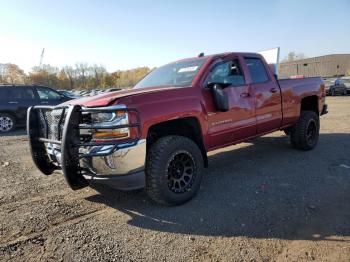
<point>173,170</point>
<point>7,123</point>
<point>305,133</point>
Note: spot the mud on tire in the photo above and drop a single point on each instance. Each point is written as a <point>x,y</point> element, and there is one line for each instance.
<point>174,170</point>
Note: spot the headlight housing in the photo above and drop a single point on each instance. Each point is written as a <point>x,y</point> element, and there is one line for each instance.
<point>110,119</point>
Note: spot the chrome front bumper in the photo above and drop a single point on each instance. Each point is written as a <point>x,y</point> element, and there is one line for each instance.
<point>122,169</point>
<point>120,165</point>
<point>130,158</point>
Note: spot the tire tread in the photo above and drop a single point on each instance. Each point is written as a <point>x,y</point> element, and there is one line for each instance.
<point>154,157</point>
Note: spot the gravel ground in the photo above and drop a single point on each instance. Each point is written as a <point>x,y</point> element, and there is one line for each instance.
<point>259,201</point>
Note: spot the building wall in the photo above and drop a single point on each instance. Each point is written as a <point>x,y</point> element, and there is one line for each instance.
<point>325,66</point>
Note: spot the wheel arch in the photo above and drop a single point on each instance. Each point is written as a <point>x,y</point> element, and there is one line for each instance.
<point>310,103</point>
<point>9,113</point>
<point>187,126</point>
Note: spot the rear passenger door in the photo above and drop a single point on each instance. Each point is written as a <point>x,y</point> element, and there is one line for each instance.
<point>20,98</point>
<point>266,94</point>
<point>48,96</point>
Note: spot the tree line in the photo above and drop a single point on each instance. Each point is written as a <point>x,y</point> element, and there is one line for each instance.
<point>79,76</point>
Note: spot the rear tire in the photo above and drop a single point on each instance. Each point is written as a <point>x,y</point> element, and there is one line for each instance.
<point>7,123</point>
<point>305,133</point>
<point>173,170</point>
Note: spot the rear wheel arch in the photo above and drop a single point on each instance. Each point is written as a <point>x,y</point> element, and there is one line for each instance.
<point>309,103</point>
<point>188,127</point>
<point>9,113</point>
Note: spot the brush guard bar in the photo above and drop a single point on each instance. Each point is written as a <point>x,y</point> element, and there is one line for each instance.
<point>65,133</point>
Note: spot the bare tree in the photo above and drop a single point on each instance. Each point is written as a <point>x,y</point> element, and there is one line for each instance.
<point>99,72</point>
<point>71,74</point>
<point>82,70</point>
<point>11,74</point>
<point>45,75</point>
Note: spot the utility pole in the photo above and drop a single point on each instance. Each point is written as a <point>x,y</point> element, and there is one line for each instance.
<point>41,58</point>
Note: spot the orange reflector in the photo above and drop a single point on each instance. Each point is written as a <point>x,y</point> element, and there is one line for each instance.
<point>108,135</point>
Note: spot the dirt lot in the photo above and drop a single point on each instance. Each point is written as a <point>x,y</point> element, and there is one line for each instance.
<point>259,201</point>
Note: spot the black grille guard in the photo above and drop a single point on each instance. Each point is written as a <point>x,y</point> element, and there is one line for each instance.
<point>70,122</point>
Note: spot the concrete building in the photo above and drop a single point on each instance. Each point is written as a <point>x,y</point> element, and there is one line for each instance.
<point>326,66</point>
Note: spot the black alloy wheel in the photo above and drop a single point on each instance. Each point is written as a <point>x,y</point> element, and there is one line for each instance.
<point>311,133</point>
<point>181,172</point>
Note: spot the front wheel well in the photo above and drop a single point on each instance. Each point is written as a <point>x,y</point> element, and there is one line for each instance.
<point>188,127</point>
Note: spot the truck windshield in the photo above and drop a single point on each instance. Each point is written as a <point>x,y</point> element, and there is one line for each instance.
<point>179,74</point>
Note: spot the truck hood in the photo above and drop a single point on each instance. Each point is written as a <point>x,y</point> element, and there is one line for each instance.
<point>108,98</point>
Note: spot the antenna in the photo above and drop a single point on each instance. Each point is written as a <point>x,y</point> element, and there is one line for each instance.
<point>41,57</point>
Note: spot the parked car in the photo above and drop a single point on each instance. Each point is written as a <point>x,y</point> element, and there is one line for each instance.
<point>157,134</point>
<point>68,94</point>
<point>15,100</point>
<point>338,88</point>
<point>346,81</point>
<point>113,89</point>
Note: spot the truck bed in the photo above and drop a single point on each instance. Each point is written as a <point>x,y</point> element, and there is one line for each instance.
<point>293,91</point>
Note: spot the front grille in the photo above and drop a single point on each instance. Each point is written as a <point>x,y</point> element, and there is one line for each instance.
<point>51,123</point>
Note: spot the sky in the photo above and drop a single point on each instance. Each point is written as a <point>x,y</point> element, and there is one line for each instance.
<point>127,34</point>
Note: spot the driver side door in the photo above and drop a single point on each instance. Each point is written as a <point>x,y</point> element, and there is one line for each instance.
<point>239,121</point>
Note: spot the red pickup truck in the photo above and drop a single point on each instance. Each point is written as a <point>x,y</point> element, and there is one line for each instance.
<point>157,134</point>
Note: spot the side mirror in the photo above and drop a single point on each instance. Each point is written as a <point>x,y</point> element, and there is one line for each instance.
<point>220,97</point>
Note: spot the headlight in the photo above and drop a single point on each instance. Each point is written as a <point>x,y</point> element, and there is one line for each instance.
<point>110,119</point>
<point>102,117</point>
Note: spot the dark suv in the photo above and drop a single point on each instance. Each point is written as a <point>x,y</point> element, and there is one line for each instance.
<point>338,88</point>
<point>15,100</point>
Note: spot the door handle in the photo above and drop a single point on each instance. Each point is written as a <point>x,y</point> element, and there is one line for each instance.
<point>273,90</point>
<point>244,95</point>
<point>13,102</point>
<point>44,102</point>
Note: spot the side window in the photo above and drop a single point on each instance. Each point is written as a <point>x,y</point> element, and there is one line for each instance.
<point>339,82</point>
<point>20,93</point>
<point>14,93</point>
<point>3,93</point>
<point>257,70</point>
<point>227,73</point>
<point>27,93</point>
<point>47,94</point>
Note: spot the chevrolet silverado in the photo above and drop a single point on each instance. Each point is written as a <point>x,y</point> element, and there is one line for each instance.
<point>157,134</point>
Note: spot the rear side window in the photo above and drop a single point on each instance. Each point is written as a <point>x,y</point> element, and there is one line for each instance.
<point>20,93</point>
<point>257,70</point>
<point>3,93</point>
<point>14,93</point>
